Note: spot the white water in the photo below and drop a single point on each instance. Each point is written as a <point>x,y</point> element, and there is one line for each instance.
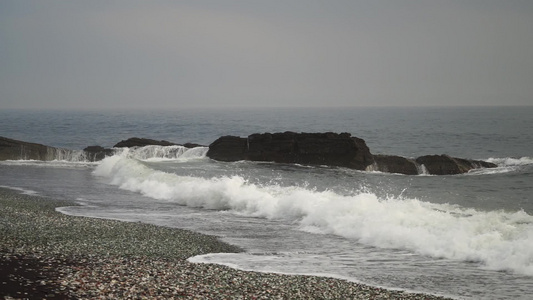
<point>282,245</point>
<point>500,240</point>
<point>21,190</point>
<point>163,153</point>
<point>504,165</point>
<point>511,161</point>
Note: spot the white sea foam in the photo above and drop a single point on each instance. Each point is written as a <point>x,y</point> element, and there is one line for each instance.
<point>21,190</point>
<point>500,240</point>
<point>511,161</point>
<point>504,165</point>
<point>490,171</point>
<point>163,153</point>
<point>50,164</point>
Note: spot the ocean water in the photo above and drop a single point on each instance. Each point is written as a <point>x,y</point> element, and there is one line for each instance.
<point>466,236</point>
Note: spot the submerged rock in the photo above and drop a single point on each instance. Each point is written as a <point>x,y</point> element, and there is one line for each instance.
<point>428,164</point>
<point>395,164</point>
<point>447,165</point>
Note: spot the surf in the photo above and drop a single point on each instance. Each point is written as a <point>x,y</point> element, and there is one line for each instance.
<point>499,240</point>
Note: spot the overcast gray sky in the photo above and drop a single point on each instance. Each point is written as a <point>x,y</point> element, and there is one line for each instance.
<point>176,54</point>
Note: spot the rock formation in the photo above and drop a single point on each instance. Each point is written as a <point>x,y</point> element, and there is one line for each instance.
<point>395,164</point>
<point>96,153</point>
<point>12,149</point>
<point>428,164</point>
<point>228,148</point>
<point>447,165</point>
<point>142,142</point>
<point>329,148</point>
<point>333,149</point>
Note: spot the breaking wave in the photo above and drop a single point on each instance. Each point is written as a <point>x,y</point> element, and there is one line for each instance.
<point>499,240</point>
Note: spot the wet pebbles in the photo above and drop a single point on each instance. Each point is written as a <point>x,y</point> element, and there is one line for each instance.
<point>46,254</point>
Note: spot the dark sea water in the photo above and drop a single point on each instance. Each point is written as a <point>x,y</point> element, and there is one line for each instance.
<point>466,236</point>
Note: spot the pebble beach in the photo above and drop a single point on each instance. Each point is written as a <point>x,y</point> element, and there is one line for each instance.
<point>45,254</point>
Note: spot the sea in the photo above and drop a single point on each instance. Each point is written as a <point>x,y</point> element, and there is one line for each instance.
<point>466,236</point>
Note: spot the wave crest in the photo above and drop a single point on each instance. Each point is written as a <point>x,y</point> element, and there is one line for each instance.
<point>501,240</point>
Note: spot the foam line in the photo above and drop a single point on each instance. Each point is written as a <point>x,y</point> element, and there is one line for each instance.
<point>501,240</point>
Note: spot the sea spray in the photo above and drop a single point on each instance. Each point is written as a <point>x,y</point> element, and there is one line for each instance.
<point>504,165</point>
<point>161,153</point>
<point>511,161</point>
<point>500,240</point>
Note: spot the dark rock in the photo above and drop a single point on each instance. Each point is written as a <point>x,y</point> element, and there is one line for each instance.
<point>277,147</point>
<point>192,145</point>
<point>94,149</point>
<point>141,142</point>
<point>395,164</point>
<point>13,150</point>
<point>447,165</point>
<point>363,157</point>
<point>329,148</point>
<point>96,153</point>
<point>333,150</point>
<point>476,164</point>
<point>228,148</point>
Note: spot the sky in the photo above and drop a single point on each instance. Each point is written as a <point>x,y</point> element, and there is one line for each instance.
<point>278,53</point>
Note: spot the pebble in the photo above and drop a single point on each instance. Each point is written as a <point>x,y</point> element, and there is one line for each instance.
<point>107,259</point>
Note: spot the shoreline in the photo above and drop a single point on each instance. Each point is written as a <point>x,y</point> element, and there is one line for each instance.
<point>47,254</point>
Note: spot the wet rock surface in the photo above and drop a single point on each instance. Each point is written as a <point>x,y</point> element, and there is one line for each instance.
<point>395,164</point>
<point>141,142</point>
<point>328,148</point>
<point>447,165</point>
<point>333,149</point>
<point>96,153</point>
<point>13,149</point>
